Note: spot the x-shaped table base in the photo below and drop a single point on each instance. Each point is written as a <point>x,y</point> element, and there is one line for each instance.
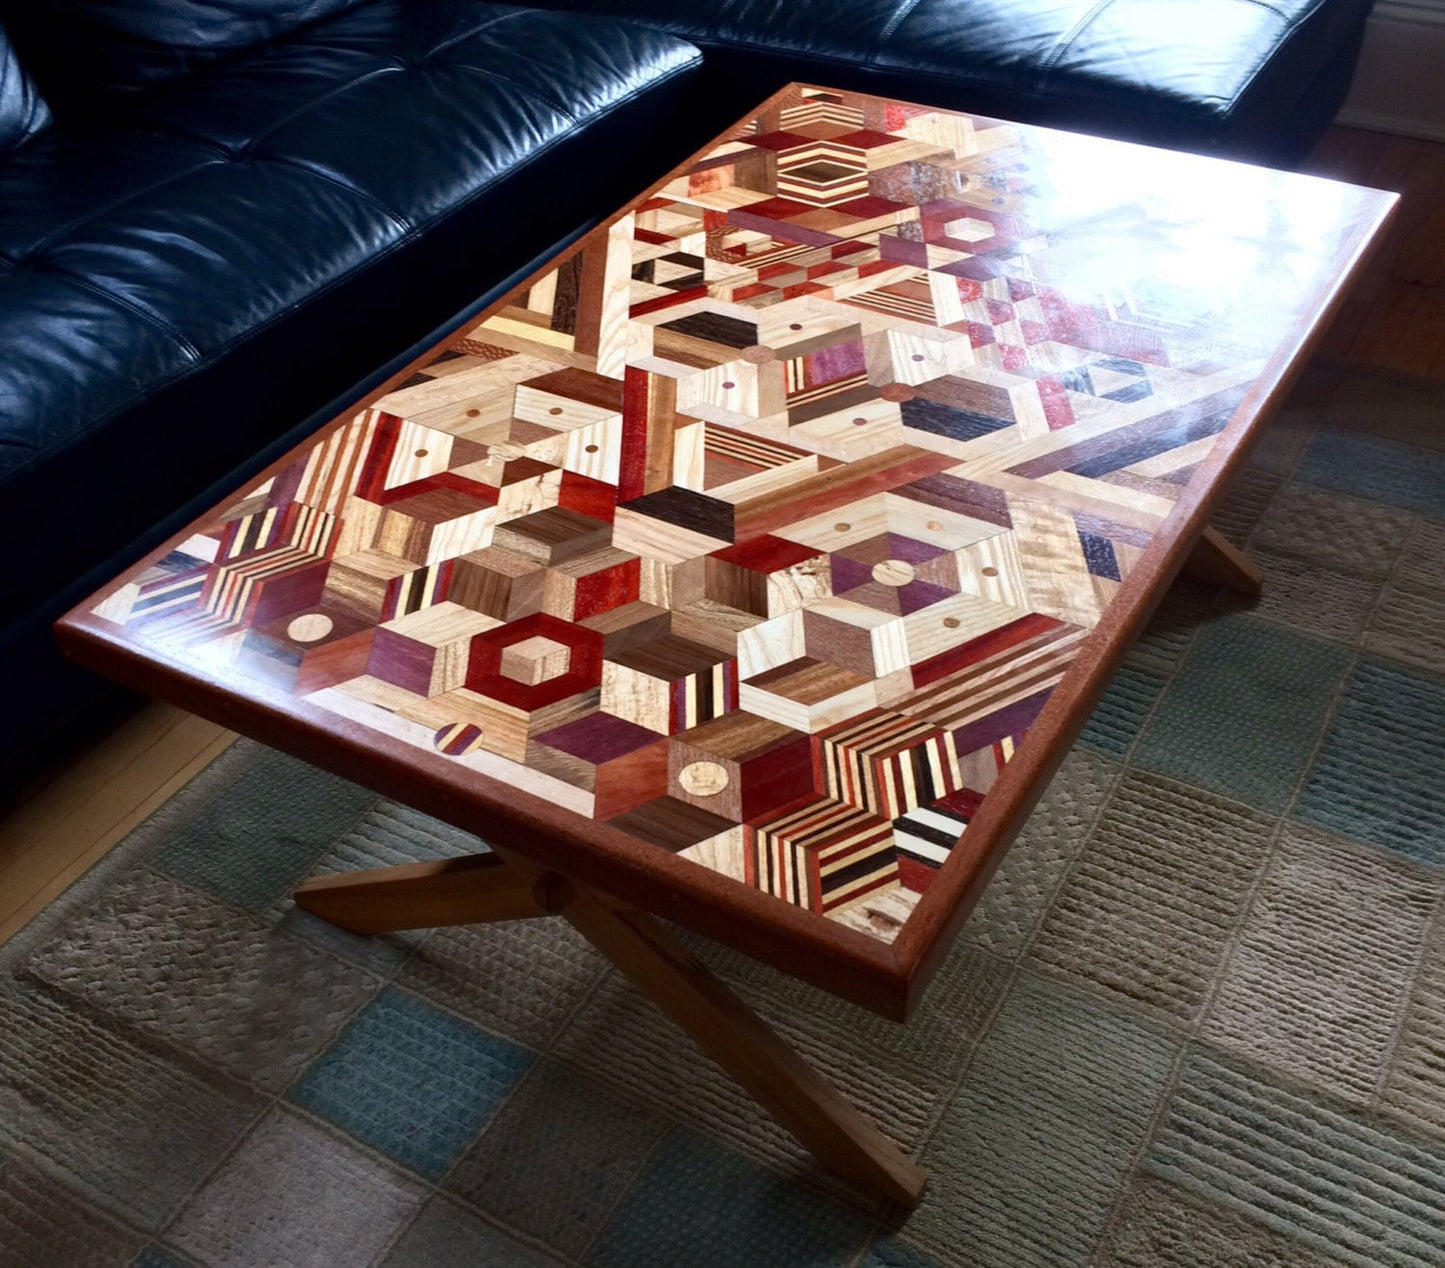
<point>489,887</point>
<point>498,886</point>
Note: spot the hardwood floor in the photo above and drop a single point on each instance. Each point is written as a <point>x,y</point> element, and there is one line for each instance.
<point>1394,318</point>
<point>65,819</point>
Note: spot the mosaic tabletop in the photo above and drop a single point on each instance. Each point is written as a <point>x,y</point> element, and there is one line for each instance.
<point>763,526</point>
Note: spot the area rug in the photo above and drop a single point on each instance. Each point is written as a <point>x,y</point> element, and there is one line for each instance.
<point>1198,1019</point>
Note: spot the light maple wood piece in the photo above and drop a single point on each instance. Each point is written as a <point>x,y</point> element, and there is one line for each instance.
<point>471,890</point>
<point>1215,561</point>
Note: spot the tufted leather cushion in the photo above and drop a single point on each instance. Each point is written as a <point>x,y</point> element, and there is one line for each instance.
<point>1239,76</point>
<point>84,48</point>
<point>180,287</point>
<point>22,110</point>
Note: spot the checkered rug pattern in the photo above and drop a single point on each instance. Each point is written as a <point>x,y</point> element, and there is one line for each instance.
<point>1198,1018</point>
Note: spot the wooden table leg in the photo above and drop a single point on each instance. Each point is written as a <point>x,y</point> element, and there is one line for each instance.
<point>490,887</point>
<point>822,1120</point>
<point>476,889</point>
<point>1215,561</point>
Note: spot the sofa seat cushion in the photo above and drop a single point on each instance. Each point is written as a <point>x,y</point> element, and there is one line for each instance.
<point>183,284</point>
<point>85,48</point>
<point>1224,75</point>
<point>22,109</point>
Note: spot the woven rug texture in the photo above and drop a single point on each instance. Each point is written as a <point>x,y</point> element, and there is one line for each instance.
<point>1197,1020</point>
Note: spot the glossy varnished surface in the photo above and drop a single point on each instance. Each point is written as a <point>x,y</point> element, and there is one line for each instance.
<point>762,529</point>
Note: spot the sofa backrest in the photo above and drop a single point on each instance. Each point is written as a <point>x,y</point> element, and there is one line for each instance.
<point>83,50</point>
<point>22,109</point>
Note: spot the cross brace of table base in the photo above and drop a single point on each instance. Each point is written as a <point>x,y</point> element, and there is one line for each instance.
<point>482,888</point>
<point>1215,561</point>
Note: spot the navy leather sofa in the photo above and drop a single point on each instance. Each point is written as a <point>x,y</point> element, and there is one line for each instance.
<point>221,218</point>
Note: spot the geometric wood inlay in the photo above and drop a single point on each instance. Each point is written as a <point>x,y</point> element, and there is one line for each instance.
<point>763,526</point>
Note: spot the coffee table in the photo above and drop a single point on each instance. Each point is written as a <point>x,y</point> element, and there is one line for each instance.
<point>755,563</point>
